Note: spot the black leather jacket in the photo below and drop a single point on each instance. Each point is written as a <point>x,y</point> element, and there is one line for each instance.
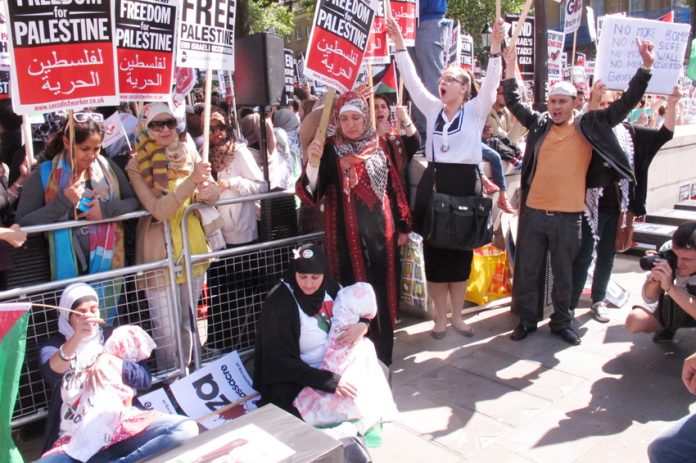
<point>594,126</point>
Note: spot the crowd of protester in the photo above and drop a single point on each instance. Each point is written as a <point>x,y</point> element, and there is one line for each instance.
<point>353,184</point>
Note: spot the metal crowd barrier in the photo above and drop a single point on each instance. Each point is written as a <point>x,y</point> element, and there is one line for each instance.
<point>238,280</point>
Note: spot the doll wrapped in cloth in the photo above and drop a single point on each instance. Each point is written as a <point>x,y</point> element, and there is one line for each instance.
<point>358,363</point>
<point>105,400</point>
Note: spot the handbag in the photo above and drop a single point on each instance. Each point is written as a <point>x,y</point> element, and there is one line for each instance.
<point>624,231</point>
<point>460,223</point>
<point>413,288</point>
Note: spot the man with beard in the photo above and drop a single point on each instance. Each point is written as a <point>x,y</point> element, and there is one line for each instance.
<point>558,154</point>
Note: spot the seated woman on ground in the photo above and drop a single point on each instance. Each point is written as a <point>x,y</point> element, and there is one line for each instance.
<point>73,362</point>
<point>292,334</point>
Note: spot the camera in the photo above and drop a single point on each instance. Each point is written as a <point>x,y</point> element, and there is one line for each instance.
<point>648,262</point>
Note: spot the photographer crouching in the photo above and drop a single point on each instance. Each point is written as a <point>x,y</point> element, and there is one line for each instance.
<point>669,289</point>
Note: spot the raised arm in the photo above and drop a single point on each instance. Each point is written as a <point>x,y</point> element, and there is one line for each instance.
<point>513,101</point>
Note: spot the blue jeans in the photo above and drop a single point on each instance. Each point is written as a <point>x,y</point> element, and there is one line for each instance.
<point>164,433</point>
<point>677,444</point>
<point>540,232</point>
<point>606,230</point>
<point>492,157</point>
<point>428,58</point>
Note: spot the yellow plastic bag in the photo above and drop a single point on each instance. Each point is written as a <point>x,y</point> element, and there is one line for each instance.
<point>490,276</point>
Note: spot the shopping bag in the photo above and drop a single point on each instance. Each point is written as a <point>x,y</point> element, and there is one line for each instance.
<point>413,286</point>
<point>490,276</point>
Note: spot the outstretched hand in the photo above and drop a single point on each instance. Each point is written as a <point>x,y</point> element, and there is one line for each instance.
<point>645,48</point>
<point>394,32</point>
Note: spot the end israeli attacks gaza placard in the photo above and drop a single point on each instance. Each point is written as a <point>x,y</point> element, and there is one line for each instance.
<point>65,54</point>
<point>215,386</point>
<point>618,57</point>
<point>338,41</point>
<point>206,34</point>
<point>145,48</point>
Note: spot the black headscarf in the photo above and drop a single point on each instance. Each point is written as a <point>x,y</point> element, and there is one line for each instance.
<point>309,258</point>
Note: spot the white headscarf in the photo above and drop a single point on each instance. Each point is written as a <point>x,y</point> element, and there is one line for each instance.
<point>73,296</point>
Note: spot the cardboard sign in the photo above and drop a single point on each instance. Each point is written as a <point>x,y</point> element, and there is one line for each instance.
<point>145,48</point>
<point>157,400</point>
<point>338,41</point>
<point>377,45</point>
<point>466,52</point>
<point>65,54</point>
<point>573,16</point>
<point>618,57</point>
<point>215,386</point>
<point>405,14</point>
<point>206,34</point>
<point>555,48</point>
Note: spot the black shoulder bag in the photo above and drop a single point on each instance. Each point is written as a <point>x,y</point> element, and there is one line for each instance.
<point>461,223</point>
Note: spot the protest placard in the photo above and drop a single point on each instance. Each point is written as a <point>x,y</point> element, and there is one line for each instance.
<point>525,45</point>
<point>4,39</point>
<point>206,34</point>
<point>4,84</point>
<point>573,16</point>
<point>338,41</point>
<point>555,61</point>
<point>377,45</point>
<point>65,54</point>
<point>215,386</point>
<point>405,13</point>
<point>157,400</point>
<point>289,72</point>
<point>618,57</point>
<point>466,52</point>
<point>113,130</point>
<point>454,45</point>
<point>145,48</point>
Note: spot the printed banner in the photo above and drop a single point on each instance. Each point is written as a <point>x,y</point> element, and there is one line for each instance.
<point>573,16</point>
<point>206,34</point>
<point>338,41</point>
<point>405,14</point>
<point>555,48</point>
<point>377,47</point>
<point>215,386</point>
<point>4,39</point>
<point>157,400</point>
<point>4,84</point>
<point>453,44</point>
<point>289,72</point>
<point>65,53</point>
<point>466,52</point>
<point>618,57</point>
<point>145,48</point>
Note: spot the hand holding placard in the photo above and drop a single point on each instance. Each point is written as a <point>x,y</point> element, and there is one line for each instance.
<point>395,34</point>
<point>645,48</point>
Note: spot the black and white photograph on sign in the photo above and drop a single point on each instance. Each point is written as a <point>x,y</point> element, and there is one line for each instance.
<point>618,57</point>
<point>206,34</point>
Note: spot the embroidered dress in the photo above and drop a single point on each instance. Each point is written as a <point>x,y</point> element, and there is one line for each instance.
<point>360,189</point>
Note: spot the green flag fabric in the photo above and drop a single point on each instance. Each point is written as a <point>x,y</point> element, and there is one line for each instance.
<point>13,336</point>
<point>691,70</point>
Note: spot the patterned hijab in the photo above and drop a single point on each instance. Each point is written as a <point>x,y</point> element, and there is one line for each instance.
<point>363,150</point>
<point>221,154</point>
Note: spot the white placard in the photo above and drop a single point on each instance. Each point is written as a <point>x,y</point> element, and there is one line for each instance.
<point>555,49</point>
<point>113,130</point>
<point>618,57</point>
<point>205,34</point>
<point>157,400</point>
<point>573,16</point>
<point>215,386</point>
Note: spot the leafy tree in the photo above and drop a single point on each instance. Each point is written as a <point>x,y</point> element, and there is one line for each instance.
<point>474,14</point>
<point>266,14</point>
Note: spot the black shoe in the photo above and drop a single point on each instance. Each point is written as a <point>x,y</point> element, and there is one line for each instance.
<point>569,335</point>
<point>663,337</point>
<point>520,332</point>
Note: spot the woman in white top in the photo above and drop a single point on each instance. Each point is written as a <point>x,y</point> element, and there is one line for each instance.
<point>453,150</point>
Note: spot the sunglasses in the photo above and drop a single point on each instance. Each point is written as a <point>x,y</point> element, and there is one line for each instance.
<point>84,117</point>
<point>158,126</point>
<point>217,128</point>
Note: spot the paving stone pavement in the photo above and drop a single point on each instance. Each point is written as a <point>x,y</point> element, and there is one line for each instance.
<point>490,399</point>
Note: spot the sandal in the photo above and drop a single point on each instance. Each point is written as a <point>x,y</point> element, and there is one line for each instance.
<point>504,204</point>
<point>466,330</point>
<point>488,187</point>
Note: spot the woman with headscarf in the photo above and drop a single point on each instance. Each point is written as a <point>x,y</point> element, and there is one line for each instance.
<point>365,210</point>
<point>293,330</point>
<point>78,182</point>
<point>72,362</point>
<point>453,150</point>
<point>168,175</point>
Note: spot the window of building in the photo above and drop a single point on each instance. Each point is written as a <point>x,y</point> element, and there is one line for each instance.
<point>598,8</point>
<point>298,33</point>
<point>635,6</point>
<point>308,30</point>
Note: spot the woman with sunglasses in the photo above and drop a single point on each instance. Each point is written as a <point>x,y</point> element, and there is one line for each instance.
<point>453,148</point>
<point>77,182</point>
<point>167,175</point>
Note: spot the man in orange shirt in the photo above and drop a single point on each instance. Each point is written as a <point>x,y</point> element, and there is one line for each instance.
<point>558,153</point>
